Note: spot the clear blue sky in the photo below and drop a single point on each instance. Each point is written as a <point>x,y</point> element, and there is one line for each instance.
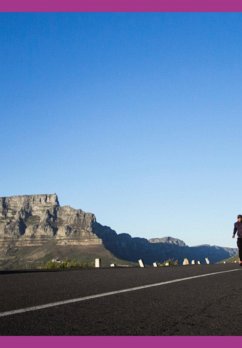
<point>135,117</point>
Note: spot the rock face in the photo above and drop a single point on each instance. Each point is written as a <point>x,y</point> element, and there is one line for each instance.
<point>33,220</point>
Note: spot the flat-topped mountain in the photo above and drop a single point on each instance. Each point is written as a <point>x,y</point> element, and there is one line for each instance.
<point>33,220</point>
<point>169,240</point>
<point>36,228</point>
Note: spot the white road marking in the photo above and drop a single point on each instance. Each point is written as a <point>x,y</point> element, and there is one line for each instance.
<point>110,293</point>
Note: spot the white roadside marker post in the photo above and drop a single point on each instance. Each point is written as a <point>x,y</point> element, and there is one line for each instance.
<point>185,262</point>
<point>97,263</point>
<point>207,261</point>
<point>199,263</point>
<point>155,264</point>
<point>193,262</point>
<point>141,263</point>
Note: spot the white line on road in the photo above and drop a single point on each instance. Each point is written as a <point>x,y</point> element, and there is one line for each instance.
<point>104,294</point>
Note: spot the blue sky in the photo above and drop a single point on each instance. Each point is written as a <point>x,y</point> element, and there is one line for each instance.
<point>135,117</point>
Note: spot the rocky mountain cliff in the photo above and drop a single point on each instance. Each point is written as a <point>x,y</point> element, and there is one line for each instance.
<point>36,228</point>
<point>33,220</point>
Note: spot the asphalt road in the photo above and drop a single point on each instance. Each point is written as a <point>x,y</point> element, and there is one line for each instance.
<point>207,305</point>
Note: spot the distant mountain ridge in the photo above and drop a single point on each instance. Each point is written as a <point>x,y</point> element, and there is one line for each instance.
<point>131,248</point>
<point>36,228</point>
<point>169,240</point>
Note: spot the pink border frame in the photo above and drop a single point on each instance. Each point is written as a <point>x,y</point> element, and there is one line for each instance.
<point>121,341</point>
<point>121,6</point>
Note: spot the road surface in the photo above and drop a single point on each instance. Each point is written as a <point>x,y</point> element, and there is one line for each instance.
<point>185,300</point>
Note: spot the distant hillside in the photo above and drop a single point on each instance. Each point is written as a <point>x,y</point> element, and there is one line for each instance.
<point>231,259</point>
<point>36,228</point>
<point>37,256</point>
<point>131,248</point>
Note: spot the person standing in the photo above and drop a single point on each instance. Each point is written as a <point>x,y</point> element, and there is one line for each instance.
<point>238,230</point>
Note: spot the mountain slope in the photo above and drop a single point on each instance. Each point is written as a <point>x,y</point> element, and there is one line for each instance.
<point>128,248</point>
